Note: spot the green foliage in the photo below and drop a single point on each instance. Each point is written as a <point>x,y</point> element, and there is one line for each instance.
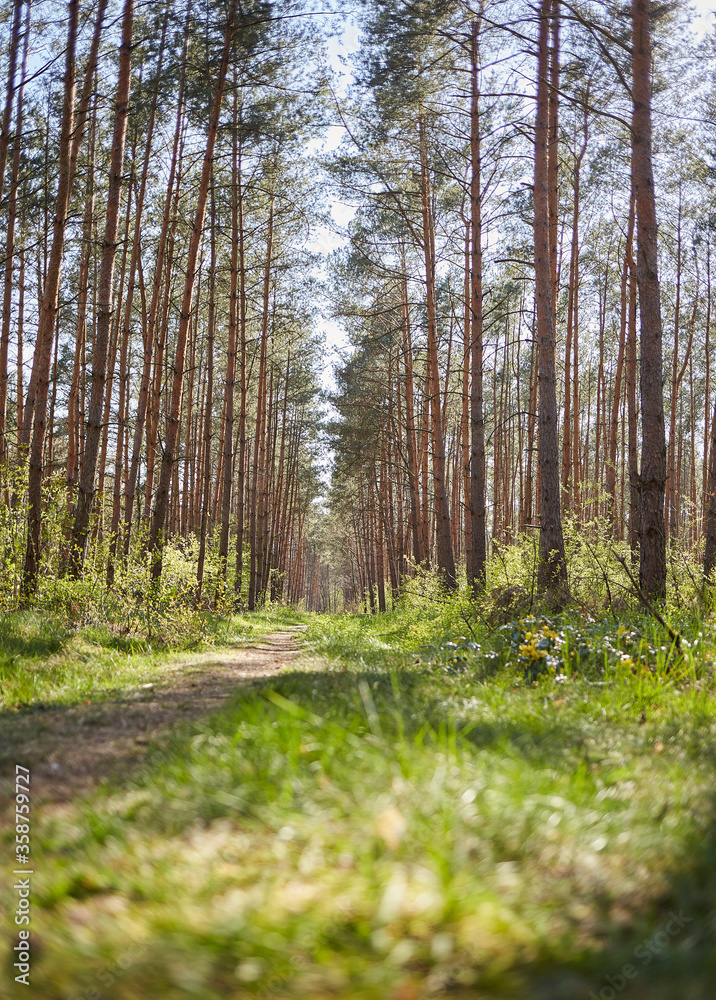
<point>43,662</point>
<point>601,637</point>
<point>363,831</point>
<point>135,612</point>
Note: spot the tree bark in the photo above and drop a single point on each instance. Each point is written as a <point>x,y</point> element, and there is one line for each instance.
<point>156,534</point>
<point>707,385</point>
<point>672,485</point>
<point>208,406</point>
<point>50,305</point>
<point>134,266</point>
<point>78,371</point>
<point>652,480</point>
<point>570,434</point>
<point>77,133</point>
<point>85,496</point>
<point>444,553</point>
<point>20,336</point>
<point>478,556</point>
<point>258,472</point>
<point>149,332</point>
<point>243,399</point>
<point>611,479</point>
<point>553,149</point>
<point>231,349</point>
<point>10,89</point>
<point>411,447</point>
<point>552,573</point>
<point>10,239</point>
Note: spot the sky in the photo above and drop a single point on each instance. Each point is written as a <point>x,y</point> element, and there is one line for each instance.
<point>326,239</point>
<point>704,19</point>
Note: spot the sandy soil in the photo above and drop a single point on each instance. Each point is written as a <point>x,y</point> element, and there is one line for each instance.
<point>71,749</point>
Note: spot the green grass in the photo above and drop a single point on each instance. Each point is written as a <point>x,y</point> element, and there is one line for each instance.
<point>401,818</point>
<point>42,662</point>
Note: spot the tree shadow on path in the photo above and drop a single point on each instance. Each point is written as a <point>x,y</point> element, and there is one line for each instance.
<point>72,748</point>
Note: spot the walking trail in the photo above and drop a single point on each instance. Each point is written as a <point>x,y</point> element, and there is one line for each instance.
<point>71,749</point>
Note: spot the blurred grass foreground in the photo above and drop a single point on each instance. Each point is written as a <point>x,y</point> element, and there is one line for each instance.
<point>408,811</point>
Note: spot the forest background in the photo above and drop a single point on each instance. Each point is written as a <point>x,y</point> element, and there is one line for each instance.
<point>492,520</point>
<point>164,192</point>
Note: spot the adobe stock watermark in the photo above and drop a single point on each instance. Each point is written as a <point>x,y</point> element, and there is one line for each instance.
<point>644,954</point>
<point>21,950</point>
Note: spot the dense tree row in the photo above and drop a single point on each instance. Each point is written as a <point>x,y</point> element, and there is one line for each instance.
<point>526,344</point>
<point>158,365</point>
<point>526,289</point>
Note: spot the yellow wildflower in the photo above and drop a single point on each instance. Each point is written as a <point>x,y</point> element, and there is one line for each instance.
<point>530,650</point>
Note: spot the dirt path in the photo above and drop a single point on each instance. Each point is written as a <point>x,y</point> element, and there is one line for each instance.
<point>71,749</point>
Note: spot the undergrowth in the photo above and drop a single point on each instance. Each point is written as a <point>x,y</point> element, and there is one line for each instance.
<point>43,661</point>
<point>450,799</point>
<point>404,831</point>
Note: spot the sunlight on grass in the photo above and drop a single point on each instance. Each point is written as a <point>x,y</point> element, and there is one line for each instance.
<point>42,661</point>
<point>417,829</point>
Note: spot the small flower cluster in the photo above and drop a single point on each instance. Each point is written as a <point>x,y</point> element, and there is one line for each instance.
<point>536,645</point>
<point>455,657</point>
<point>560,648</point>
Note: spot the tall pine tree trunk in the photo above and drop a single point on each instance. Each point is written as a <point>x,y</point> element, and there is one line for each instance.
<point>10,89</point>
<point>10,240</point>
<point>75,143</point>
<point>611,483</point>
<point>78,372</point>
<point>444,553</point>
<point>478,560</point>
<point>652,481</point>
<point>243,391</point>
<point>231,350</point>
<point>50,305</point>
<point>156,534</point>
<point>85,496</point>
<point>552,573</point>
<point>134,267</point>
<point>208,406</point>
<point>150,328</point>
<point>258,470</point>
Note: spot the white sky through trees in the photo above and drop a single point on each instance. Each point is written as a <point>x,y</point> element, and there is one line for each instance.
<point>341,48</point>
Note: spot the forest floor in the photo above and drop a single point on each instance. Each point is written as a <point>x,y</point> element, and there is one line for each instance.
<point>71,748</point>
<point>390,812</point>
